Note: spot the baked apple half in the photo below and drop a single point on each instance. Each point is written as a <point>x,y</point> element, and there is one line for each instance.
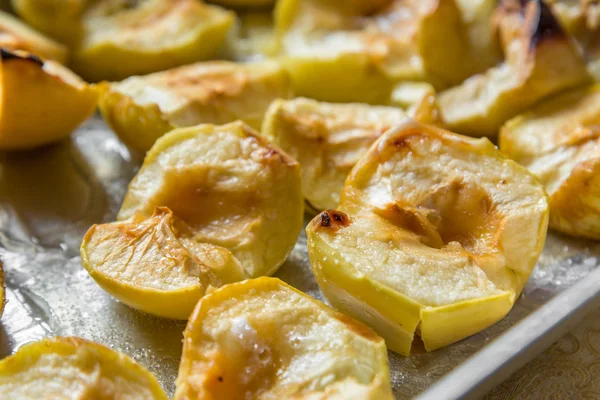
<point>40,101</point>
<point>436,235</point>
<point>230,207</point>
<point>114,39</point>
<point>143,108</point>
<point>264,339</point>
<point>122,38</point>
<point>331,54</point>
<point>75,368</point>
<point>540,60</point>
<point>559,141</point>
<point>355,50</point>
<point>15,35</point>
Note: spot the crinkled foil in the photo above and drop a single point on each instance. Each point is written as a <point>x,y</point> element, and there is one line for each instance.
<point>49,198</point>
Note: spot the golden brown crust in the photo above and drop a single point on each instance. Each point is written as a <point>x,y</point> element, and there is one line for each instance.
<point>205,88</point>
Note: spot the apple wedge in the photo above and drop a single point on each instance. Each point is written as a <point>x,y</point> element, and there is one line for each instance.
<point>540,60</point>
<point>237,210</point>
<point>115,39</point>
<point>121,39</point>
<point>264,339</point>
<point>331,55</point>
<point>354,51</point>
<point>75,368</point>
<point>40,101</point>
<point>436,234</point>
<point>141,109</point>
<point>327,139</point>
<point>15,35</point>
<point>559,141</point>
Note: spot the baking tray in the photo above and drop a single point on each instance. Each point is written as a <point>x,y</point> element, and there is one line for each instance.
<point>49,198</point>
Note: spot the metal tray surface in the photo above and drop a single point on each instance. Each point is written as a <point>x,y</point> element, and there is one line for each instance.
<point>50,197</point>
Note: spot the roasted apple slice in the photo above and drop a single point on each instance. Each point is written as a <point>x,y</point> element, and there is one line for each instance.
<point>264,339</point>
<point>75,368</point>
<point>559,141</point>
<point>340,54</point>
<point>141,109</point>
<point>327,139</point>
<point>238,210</point>
<point>14,35</point>
<point>121,39</point>
<point>155,264</point>
<point>436,234</point>
<point>230,185</point>
<point>41,101</point>
<point>540,60</point>
<point>354,51</point>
